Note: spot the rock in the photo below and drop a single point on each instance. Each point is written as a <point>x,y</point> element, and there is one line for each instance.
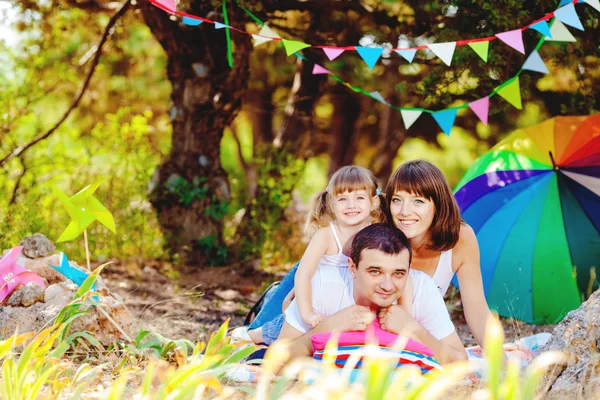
<point>228,294</point>
<point>58,289</point>
<point>37,245</point>
<point>33,318</point>
<point>577,335</point>
<point>26,295</point>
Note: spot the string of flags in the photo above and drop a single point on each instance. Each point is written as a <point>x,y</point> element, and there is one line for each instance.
<point>510,91</point>
<point>566,14</point>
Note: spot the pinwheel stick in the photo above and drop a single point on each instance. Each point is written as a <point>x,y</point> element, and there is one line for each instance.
<point>87,250</point>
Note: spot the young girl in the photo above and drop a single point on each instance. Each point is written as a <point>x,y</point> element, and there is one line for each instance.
<point>350,203</point>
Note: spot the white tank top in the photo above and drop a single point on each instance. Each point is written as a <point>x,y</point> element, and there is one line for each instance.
<point>338,260</point>
<point>443,273</point>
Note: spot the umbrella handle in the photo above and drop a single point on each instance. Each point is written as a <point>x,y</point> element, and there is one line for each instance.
<point>554,166</point>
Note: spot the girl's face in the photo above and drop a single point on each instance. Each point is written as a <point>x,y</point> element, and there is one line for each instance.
<point>352,208</point>
<point>412,214</point>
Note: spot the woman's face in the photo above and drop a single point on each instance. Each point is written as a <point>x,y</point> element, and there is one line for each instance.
<point>412,214</point>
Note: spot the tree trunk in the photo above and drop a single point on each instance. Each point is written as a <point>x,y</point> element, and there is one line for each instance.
<point>391,136</point>
<point>342,142</point>
<point>280,165</point>
<point>190,190</point>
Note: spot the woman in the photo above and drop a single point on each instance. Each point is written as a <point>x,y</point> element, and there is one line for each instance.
<point>422,206</point>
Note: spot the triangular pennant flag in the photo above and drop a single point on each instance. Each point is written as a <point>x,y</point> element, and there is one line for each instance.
<point>560,33</point>
<point>370,55</point>
<point>219,25</point>
<point>266,34</point>
<point>292,46</point>
<point>481,108</point>
<point>409,117</point>
<point>535,63</point>
<point>318,70</point>
<point>444,51</point>
<point>563,2</point>
<point>408,55</point>
<point>445,119</point>
<point>568,15</point>
<point>258,40</point>
<point>541,27</point>
<point>191,21</point>
<point>514,39</point>
<point>481,48</point>
<point>332,53</point>
<point>594,3</point>
<point>377,96</point>
<point>167,5</point>
<point>512,93</point>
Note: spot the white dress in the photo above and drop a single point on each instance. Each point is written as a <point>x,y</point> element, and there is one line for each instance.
<point>329,276</point>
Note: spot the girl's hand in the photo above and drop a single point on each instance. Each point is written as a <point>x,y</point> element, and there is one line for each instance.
<point>313,318</point>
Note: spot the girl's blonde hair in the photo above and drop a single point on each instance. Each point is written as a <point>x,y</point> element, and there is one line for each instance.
<point>348,178</point>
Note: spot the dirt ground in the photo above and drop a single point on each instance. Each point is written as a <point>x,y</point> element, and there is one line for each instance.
<point>191,303</point>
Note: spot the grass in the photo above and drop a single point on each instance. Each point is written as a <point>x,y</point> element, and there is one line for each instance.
<point>47,365</point>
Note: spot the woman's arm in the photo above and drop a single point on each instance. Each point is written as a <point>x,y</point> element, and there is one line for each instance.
<point>468,273</point>
<point>308,265</point>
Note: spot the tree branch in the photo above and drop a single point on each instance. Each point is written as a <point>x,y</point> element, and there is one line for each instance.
<point>107,32</point>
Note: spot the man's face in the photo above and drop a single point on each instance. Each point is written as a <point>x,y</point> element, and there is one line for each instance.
<point>379,278</point>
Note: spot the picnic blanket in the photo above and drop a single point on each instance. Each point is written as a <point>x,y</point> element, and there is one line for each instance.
<point>522,350</point>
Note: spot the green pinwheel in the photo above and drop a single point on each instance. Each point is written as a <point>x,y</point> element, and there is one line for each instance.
<point>84,208</point>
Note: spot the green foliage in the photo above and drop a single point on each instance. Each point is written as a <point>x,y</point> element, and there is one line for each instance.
<point>215,252</point>
<point>262,232</point>
<point>187,192</point>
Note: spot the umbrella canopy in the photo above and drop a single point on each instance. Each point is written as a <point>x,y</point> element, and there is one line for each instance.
<point>534,203</point>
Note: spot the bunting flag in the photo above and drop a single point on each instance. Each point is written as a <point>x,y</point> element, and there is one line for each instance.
<point>481,108</point>
<point>535,63</point>
<point>594,3</point>
<point>560,33</point>
<point>511,92</point>
<point>445,119</point>
<point>219,25</point>
<point>444,51</point>
<point>318,70</point>
<point>568,15</point>
<point>514,39</point>
<point>370,55</point>
<point>266,34</point>
<point>408,55</point>
<point>409,117</point>
<point>542,27</point>
<point>293,46</point>
<point>332,52</point>
<point>191,21</point>
<point>377,96</point>
<point>167,5</point>
<point>481,49</point>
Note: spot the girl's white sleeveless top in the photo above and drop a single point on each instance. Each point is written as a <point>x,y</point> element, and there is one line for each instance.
<point>329,273</point>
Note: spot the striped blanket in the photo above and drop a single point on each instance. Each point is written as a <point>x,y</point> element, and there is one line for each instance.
<point>375,341</point>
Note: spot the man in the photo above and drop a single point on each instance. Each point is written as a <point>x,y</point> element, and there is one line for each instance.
<point>379,264</point>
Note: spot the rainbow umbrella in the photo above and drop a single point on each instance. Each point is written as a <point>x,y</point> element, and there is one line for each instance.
<point>534,203</point>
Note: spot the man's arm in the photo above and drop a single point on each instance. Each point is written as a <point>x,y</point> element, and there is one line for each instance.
<point>446,350</point>
<point>353,318</point>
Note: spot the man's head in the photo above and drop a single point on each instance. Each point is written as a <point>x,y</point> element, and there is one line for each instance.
<point>379,261</point>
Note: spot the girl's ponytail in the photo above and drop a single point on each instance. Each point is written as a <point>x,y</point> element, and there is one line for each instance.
<point>380,212</point>
<point>319,215</point>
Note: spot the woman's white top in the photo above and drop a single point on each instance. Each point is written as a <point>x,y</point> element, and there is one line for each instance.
<point>443,273</point>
